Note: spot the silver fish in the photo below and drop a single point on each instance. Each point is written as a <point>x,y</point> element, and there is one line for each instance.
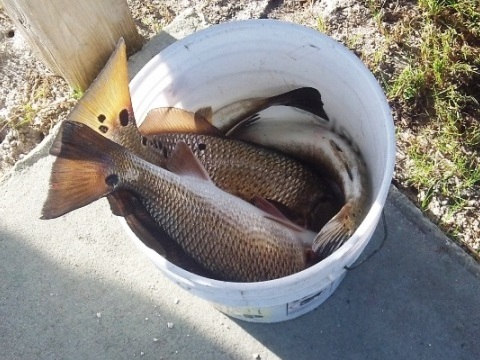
<point>331,154</point>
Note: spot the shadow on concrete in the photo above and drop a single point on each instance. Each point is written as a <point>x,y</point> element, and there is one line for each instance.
<point>48,311</point>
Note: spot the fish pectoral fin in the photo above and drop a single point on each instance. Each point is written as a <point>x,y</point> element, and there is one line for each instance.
<point>285,222</point>
<point>334,233</point>
<point>269,207</point>
<point>183,162</point>
<point>273,212</point>
<point>106,106</point>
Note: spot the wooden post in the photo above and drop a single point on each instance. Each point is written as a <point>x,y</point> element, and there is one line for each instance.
<point>74,38</point>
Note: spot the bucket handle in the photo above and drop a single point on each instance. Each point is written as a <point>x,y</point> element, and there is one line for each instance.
<point>385,235</point>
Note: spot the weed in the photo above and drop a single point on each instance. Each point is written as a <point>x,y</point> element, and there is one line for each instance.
<point>322,25</point>
<point>439,81</point>
<point>77,93</point>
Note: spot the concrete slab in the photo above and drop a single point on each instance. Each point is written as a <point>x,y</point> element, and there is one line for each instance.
<point>78,288</point>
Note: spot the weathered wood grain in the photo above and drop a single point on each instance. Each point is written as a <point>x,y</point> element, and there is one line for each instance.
<point>74,38</point>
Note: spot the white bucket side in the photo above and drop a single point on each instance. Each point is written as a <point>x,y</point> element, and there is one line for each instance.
<point>270,57</point>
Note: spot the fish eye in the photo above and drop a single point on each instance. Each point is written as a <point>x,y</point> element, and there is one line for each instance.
<point>123,116</point>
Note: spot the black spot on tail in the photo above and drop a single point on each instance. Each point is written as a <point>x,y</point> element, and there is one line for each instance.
<point>123,116</point>
<point>101,118</point>
<point>111,180</point>
<point>202,146</point>
<point>103,129</point>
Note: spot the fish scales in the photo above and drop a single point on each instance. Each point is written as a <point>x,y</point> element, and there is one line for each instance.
<point>201,220</point>
<point>106,107</point>
<point>247,170</point>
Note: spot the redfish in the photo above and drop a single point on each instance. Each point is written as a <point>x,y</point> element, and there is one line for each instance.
<point>226,235</point>
<point>241,169</point>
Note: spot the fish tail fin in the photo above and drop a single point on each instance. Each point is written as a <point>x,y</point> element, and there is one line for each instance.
<point>305,98</point>
<point>106,106</point>
<point>334,233</point>
<point>82,172</point>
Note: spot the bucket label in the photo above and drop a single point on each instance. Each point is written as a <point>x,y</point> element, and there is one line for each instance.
<point>245,313</point>
<point>310,301</point>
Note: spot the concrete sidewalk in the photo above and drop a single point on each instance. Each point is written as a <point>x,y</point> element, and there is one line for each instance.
<point>78,288</point>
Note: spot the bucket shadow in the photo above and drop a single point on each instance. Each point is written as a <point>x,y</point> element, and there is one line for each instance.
<point>403,303</point>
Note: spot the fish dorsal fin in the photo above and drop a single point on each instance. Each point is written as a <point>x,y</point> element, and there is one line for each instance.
<point>183,162</point>
<point>167,120</point>
<point>205,113</point>
<point>173,120</point>
<point>273,213</point>
<point>203,119</point>
<point>106,106</point>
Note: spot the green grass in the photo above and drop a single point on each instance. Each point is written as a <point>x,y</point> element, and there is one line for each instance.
<point>438,88</point>
<point>435,88</point>
<point>322,25</point>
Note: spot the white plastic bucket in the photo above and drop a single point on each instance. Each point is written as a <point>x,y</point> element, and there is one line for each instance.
<point>244,59</point>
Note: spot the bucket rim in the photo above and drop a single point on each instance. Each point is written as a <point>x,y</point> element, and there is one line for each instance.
<point>337,260</point>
